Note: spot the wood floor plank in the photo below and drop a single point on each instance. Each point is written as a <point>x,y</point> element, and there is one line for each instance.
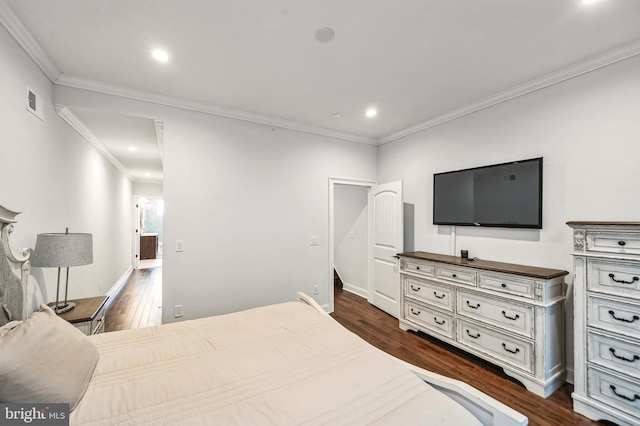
<point>138,302</point>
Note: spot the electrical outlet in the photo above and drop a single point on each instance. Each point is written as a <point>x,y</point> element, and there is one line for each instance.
<point>179,245</point>
<point>352,235</point>
<point>100,285</point>
<point>315,290</point>
<point>177,311</point>
<point>313,240</point>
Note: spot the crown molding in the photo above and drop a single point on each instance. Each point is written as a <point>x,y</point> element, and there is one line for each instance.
<point>160,138</point>
<point>140,95</point>
<point>79,126</point>
<point>599,61</point>
<point>13,25</point>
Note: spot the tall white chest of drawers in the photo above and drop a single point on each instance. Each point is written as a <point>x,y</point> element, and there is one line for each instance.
<point>511,315</point>
<point>607,320</point>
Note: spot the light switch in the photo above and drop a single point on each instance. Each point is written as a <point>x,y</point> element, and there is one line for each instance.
<point>179,245</point>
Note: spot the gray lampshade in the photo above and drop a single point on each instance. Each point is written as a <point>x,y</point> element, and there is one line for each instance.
<point>63,250</point>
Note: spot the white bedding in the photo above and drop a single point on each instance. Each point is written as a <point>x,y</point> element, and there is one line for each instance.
<point>282,364</point>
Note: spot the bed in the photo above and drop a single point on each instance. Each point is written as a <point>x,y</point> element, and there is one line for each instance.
<point>283,364</point>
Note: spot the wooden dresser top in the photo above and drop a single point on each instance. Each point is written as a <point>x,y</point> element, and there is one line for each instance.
<point>507,268</point>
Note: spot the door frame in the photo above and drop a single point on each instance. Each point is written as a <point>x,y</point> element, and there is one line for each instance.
<point>332,183</point>
<point>136,222</point>
<point>135,261</point>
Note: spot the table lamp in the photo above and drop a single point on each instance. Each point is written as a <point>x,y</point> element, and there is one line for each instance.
<point>57,250</point>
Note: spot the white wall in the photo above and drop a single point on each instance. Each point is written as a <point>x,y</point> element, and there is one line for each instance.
<point>58,180</point>
<point>147,189</point>
<point>245,198</point>
<point>351,236</point>
<point>587,130</point>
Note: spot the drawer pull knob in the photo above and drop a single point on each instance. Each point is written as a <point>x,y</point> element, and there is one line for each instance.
<point>634,359</point>
<point>472,336</point>
<point>511,318</point>
<point>418,268</point>
<point>634,319</point>
<point>471,306</point>
<point>504,346</point>
<point>438,322</point>
<point>613,278</point>
<point>453,275</point>
<point>619,395</point>
<point>439,297</point>
<point>415,311</point>
<point>622,243</point>
<point>503,285</point>
<point>415,288</point>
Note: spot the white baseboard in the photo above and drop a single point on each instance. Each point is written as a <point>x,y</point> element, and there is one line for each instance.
<point>570,375</point>
<point>115,288</point>
<point>362,292</point>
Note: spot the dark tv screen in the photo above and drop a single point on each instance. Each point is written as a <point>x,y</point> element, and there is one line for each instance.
<point>504,195</point>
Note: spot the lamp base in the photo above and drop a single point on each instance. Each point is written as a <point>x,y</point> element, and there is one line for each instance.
<point>61,308</point>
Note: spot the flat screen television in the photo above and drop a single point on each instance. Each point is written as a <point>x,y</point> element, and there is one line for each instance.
<point>507,195</point>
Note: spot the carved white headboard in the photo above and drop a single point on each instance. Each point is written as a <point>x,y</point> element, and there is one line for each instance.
<point>14,272</point>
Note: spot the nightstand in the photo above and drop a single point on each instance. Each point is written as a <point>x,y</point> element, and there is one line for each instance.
<point>88,315</point>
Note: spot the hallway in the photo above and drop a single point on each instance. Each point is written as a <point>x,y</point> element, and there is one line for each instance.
<point>139,303</point>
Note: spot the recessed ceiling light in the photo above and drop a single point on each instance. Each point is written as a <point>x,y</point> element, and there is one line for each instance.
<point>147,174</point>
<point>589,1</point>
<point>371,112</point>
<point>335,115</point>
<point>133,149</point>
<point>160,55</point>
<point>325,35</point>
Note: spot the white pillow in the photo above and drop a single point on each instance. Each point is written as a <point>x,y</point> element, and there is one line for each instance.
<point>44,359</point>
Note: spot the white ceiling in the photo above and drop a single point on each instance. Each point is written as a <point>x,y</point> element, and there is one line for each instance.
<point>419,62</point>
<point>133,141</point>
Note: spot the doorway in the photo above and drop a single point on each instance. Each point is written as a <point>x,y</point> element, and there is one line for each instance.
<point>378,208</point>
<point>348,236</point>
<point>149,234</point>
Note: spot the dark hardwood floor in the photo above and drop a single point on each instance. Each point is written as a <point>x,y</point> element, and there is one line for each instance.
<point>138,305</point>
<point>139,302</point>
<point>382,331</point>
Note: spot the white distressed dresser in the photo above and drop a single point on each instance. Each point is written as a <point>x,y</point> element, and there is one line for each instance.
<point>607,320</point>
<point>511,315</point>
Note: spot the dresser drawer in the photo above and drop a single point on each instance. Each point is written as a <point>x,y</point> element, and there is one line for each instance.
<point>436,294</point>
<point>617,354</point>
<point>420,267</point>
<point>612,315</point>
<point>97,324</point>
<point>517,352</point>
<point>498,312</point>
<point>613,242</point>
<point>614,278</point>
<point>507,284</point>
<point>461,276</point>
<point>431,319</point>
<point>614,390</point>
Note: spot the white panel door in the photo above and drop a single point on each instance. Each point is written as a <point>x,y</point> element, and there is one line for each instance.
<point>385,242</point>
